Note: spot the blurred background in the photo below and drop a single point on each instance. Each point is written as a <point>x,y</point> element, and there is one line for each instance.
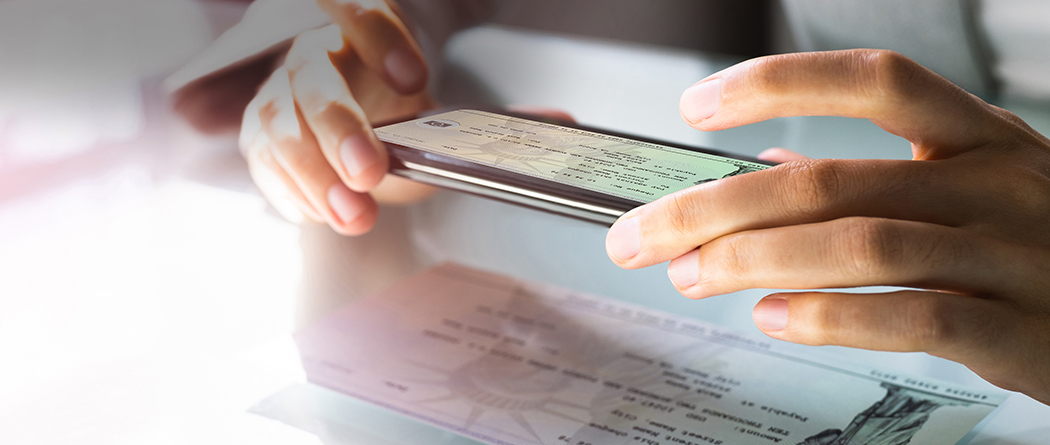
<point>147,291</point>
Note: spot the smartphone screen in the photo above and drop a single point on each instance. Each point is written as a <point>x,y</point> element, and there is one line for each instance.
<point>593,171</point>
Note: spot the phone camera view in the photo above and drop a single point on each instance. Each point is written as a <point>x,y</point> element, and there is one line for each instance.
<point>634,170</point>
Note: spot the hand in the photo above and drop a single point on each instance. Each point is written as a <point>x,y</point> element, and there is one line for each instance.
<point>307,134</point>
<point>966,223</point>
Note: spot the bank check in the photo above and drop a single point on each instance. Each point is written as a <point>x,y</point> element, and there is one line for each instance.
<point>511,362</point>
<point>572,170</point>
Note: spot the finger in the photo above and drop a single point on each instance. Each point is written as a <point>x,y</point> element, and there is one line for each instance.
<point>901,96</point>
<point>297,152</point>
<point>983,334</point>
<point>331,113</point>
<point>948,325</point>
<point>398,191</point>
<point>382,41</point>
<point>848,252</point>
<point>780,155</point>
<point>277,187</point>
<point>798,192</point>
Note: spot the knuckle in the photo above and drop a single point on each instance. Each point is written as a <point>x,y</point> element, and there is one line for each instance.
<point>263,155</point>
<point>1007,115</point>
<point>813,186</point>
<point>313,46</point>
<point>887,77</point>
<point>824,321</point>
<point>766,76</point>
<point>265,98</point>
<point>680,214</point>
<point>1013,127</point>
<point>301,52</point>
<point>874,247</point>
<point>1028,192</point>
<point>933,323</point>
<point>735,257</point>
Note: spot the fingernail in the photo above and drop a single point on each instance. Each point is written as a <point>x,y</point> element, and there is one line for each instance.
<point>771,314</point>
<point>700,101</point>
<point>684,271</point>
<point>403,67</point>
<point>623,241</point>
<point>357,154</point>
<point>342,202</point>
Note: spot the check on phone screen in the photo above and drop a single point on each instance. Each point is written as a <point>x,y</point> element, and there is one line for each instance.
<point>633,170</point>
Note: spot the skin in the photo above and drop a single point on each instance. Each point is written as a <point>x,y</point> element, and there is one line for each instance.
<point>964,224</point>
<point>307,134</point>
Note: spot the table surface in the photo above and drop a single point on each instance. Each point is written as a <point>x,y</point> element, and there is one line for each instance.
<point>151,299</point>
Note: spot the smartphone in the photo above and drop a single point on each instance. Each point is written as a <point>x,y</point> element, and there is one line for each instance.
<point>555,166</point>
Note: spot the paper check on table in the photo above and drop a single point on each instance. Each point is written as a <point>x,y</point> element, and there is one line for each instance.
<point>511,362</point>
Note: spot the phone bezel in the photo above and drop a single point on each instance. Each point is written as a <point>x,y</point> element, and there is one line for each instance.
<point>516,188</point>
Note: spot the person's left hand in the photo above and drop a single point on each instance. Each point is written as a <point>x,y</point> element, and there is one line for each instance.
<point>307,134</point>
<point>966,222</point>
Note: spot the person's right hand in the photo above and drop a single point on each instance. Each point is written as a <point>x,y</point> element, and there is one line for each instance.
<point>307,134</point>
<point>962,227</point>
